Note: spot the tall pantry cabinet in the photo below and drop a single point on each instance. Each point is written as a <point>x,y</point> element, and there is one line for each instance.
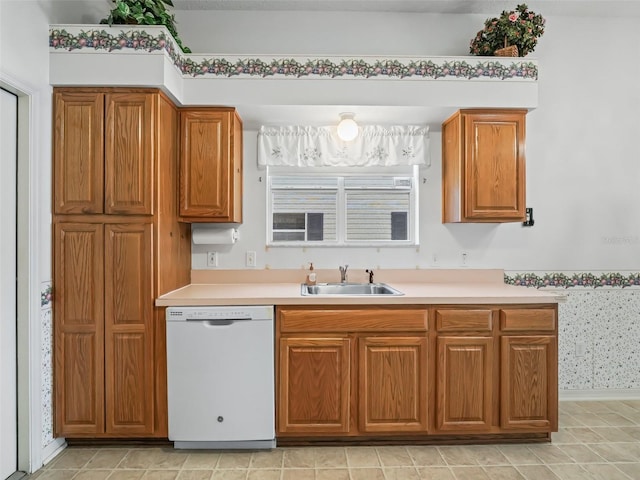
<point>117,246</point>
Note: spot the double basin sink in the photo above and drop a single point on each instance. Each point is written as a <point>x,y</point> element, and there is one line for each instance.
<point>367,289</point>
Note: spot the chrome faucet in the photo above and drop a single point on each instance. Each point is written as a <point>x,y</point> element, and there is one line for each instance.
<point>343,273</point>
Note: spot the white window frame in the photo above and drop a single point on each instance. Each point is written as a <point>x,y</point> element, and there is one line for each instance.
<point>341,174</point>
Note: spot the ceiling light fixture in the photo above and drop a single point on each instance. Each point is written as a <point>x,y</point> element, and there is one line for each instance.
<point>347,127</point>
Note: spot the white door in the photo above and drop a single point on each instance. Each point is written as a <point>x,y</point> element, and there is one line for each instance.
<point>8,313</point>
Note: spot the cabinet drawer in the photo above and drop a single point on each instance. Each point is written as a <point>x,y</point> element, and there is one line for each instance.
<point>352,320</point>
<point>464,320</point>
<point>519,319</point>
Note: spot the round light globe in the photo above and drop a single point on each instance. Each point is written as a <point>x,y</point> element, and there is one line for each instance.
<point>347,128</point>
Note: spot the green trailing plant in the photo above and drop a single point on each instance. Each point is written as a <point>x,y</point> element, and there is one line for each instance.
<point>520,27</point>
<point>145,12</point>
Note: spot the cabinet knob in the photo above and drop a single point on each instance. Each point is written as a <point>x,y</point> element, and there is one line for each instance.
<point>220,419</point>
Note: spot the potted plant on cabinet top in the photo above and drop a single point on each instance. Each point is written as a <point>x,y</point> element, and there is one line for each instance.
<point>145,12</point>
<point>515,33</point>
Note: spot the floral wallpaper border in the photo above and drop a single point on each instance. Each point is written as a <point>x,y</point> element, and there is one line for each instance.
<point>110,39</point>
<point>585,279</point>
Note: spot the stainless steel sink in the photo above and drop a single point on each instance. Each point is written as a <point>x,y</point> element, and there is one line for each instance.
<point>348,289</point>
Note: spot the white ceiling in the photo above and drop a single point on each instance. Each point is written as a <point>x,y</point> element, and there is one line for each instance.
<point>489,7</point>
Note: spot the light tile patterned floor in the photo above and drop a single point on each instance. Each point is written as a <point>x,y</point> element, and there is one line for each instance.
<point>596,441</point>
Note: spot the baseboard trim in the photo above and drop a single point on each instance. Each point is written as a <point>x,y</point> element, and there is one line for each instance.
<point>600,394</point>
<point>52,450</point>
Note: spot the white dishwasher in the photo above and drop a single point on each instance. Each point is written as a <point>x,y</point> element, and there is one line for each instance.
<point>220,377</point>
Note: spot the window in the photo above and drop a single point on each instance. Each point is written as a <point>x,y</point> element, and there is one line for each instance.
<point>342,209</point>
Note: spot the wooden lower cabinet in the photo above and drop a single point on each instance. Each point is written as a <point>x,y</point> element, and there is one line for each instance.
<point>422,372</point>
<point>464,384</point>
<point>314,395</point>
<point>392,393</point>
<point>529,392</point>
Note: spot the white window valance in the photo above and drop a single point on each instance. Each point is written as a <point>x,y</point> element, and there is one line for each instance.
<point>375,146</point>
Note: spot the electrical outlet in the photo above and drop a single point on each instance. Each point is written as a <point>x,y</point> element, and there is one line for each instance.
<point>212,259</point>
<point>464,259</point>
<point>250,259</point>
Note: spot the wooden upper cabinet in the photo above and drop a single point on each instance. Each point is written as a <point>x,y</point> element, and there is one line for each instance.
<point>129,140</point>
<point>210,165</point>
<point>483,166</point>
<point>103,152</point>
<point>78,153</point>
<point>392,384</point>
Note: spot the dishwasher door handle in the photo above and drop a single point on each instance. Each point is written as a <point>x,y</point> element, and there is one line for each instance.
<point>219,322</point>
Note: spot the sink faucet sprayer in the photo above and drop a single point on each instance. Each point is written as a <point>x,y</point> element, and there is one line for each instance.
<point>370,272</point>
<point>343,273</point>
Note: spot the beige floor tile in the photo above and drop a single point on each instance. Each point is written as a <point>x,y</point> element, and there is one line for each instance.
<point>107,458</point>
<point>92,475</point>
<point>568,420</point>
<point>589,420</point>
<point>425,455</point>
<point>274,474</point>
<point>362,457</point>
<point>126,475</point>
<point>631,469</point>
<point>154,458</point>
<point>470,473</point>
<point>401,473</point>
<point>616,420</point>
<point>618,452</point>
<point>332,474</point>
<point>195,475</point>
<point>435,473</point>
<point>550,454</point>
<point>394,456</point>
<point>586,435</point>
<point>605,472</point>
<point>57,474</point>
<point>614,434</point>
<point>597,406</point>
<point>267,459</point>
<point>366,474</point>
<point>72,457</point>
<point>519,455</point>
<point>563,435</point>
<point>160,475</point>
<point>300,457</point>
<point>487,455</point>
<point>571,407</point>
<point>230,474</point>
<point>632,403</point>
<point>299,474</point>
<point>581,453</point>
<point>569,472</point>
<point>537,472</point>
<point>201,459</point>
<point>503,473</point>
<point>331,457</point>
<point>234,460</point>
<point>457,456</point>
<point>633,432</point>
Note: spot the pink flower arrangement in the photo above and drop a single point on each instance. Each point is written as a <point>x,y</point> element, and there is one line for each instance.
<point>520,27</point>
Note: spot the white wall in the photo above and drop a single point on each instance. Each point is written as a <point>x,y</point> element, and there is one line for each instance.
<point>582,168</point>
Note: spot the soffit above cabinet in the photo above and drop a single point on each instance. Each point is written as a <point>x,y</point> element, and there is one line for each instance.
<point>269,89</point>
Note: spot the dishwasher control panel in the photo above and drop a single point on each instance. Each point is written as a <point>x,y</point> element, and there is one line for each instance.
<point>249,312</point>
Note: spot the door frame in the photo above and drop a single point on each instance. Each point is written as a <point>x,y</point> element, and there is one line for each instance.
<point>29,247</point>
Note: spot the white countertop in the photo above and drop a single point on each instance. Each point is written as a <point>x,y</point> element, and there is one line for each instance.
<point>422,292</point>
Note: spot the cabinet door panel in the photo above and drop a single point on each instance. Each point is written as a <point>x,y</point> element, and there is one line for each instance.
<point>79,329</point>
<point>313,390</point>
<point>393,384</point>
<point>205,176</point>
<point>529,383</point>
<point>464,384</point>
<point>78,153</point>
<point>129,360</point>
<point>129,140</point>
<point>494,166</point>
